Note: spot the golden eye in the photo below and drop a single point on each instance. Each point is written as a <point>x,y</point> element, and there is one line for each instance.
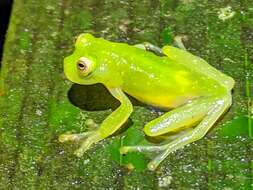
<point>83,64</point>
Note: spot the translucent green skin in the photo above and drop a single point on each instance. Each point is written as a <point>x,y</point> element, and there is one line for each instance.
<point>159,81</point>
<point>197,91</point>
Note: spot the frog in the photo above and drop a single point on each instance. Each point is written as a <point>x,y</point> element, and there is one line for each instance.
<point>193,94</point>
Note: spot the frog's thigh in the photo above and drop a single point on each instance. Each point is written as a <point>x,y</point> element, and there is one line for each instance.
<point>197,64</point>
<point>218,108</point>
<point>178,41</point>
<point>184,116</point>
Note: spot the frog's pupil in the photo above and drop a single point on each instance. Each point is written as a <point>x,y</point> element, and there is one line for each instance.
<point>81,66</point>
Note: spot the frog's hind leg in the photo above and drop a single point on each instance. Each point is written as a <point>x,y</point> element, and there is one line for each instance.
<point>172,121</point>
<point>74,137</point>
<point>219,107</point>
<point>211,109</point>
<point>152,148</point>
<point>150,47</point>
<point>178,41</point>
<point>198,64</point>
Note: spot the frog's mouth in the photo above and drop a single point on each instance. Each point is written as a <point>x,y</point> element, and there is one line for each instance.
<point>88,76</point>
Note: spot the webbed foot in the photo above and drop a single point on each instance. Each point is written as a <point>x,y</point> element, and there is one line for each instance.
<point>157,149</point>
<point>86,139</point>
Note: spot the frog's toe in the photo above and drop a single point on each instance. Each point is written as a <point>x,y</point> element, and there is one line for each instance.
<point>93,138</point>
<point>83,148</point>
<point>67,137</point>
<point>152,166</point>
<point>126,149</point>
<point>74,137</point>
<point>79,152</point>
<point>86,139</point>
<point>157,149</point>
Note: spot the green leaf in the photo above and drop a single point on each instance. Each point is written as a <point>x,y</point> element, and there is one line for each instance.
<point>238,126</point>
<point>35,107</point>
<point>167,35</point>
<point>133,160</point>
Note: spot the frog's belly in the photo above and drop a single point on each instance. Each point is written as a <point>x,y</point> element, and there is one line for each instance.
<point>163,101</point>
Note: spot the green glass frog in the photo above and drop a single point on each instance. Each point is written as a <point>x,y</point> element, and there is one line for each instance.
<point>169,78</point>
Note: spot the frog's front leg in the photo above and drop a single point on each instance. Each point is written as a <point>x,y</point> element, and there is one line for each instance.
<point>208,110</point>
<point>111,124</point>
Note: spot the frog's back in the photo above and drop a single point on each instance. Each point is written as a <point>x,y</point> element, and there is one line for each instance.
<point>200,65</point>
<point>160,81</point>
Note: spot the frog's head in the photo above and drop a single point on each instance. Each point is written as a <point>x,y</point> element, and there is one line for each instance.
<point>80,66</point>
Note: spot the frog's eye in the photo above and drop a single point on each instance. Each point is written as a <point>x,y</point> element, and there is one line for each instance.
<point>84,65</point>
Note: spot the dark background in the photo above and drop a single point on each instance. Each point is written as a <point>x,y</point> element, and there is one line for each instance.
<point>5,10</point>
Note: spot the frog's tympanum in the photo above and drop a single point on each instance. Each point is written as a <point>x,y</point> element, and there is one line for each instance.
<point>195,93</point>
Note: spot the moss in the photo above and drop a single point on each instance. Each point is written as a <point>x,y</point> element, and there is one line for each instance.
<point>35,109</point>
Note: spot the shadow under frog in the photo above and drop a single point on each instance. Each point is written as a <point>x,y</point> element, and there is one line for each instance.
<point>97,98</point>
